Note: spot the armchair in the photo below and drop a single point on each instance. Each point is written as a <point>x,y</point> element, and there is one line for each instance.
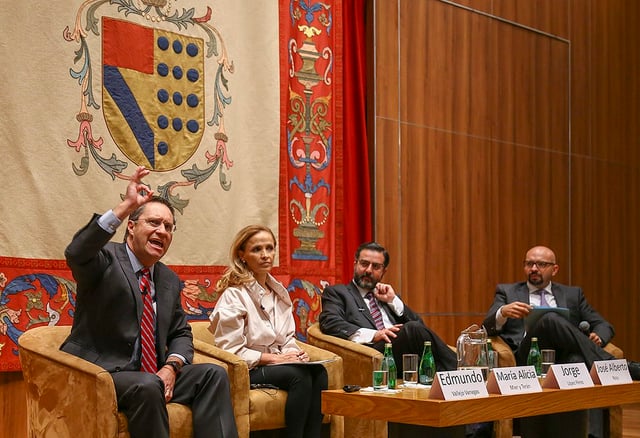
<point>68,397</point>
<point>258,409</point>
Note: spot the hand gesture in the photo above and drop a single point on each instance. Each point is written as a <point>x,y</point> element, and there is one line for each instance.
<point>137,194</point>
<point>384,292</point>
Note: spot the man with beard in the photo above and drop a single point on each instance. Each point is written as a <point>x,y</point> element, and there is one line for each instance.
<point>369,312</point>
<point>513,302</point>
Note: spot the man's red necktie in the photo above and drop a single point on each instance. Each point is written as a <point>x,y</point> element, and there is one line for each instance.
<point>149,361</point>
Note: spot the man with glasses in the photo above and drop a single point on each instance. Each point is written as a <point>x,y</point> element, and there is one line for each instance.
<point>370,312</point>
<point>129,320</point>
<point>580,338</point>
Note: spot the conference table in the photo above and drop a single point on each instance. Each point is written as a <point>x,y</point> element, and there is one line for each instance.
<point>412,405</point>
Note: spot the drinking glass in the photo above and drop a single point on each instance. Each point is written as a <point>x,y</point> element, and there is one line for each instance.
<point>548,359</point>
<point>410,369</point>
<point>380,380</point>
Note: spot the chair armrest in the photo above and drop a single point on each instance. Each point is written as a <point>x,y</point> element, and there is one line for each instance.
<point>506,358</point>
<point>614,350</point>
<point>358,360</point>
<point>238,373</point>
<point>334,368</point>
<point>67,396</point>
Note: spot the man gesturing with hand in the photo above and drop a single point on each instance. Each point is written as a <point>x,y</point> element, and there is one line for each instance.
<point>129,320</point>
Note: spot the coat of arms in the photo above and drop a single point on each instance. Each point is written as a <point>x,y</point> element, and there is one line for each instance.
<point>153,92</point>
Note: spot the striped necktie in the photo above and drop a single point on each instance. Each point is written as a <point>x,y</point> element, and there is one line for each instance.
<point>375,310</point>
<point>543,301</point>
<point>148,359</point>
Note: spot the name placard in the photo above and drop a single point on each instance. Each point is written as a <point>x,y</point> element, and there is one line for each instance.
<point>513,380</point>
<point>568,376</point>
<point>610,372</point>
<point>458,385</point>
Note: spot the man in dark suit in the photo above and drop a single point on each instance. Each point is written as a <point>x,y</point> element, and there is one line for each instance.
<point>349,312</point>
<point>109,309</point>
<point>513,302</point>
<point>580,338</point>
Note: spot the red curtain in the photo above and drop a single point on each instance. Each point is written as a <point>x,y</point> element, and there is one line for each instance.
<point>356,178</point>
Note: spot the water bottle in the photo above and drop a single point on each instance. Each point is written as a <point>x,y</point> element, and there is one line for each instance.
<point>389,365</point>
<point>427,369</point>
<point>535,358</point>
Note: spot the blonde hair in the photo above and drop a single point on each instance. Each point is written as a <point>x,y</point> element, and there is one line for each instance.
<point>237,272</point>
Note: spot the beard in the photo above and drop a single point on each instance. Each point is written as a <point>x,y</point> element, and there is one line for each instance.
<point>365,281</point>
<point>536,279</point>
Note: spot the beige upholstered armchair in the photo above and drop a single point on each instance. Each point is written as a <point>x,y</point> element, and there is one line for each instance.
<point>68,397</point>
<point>263,409</point>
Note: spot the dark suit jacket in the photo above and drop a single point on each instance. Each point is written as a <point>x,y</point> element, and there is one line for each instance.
<point>566,296</point>
<point>344,311</point>
<point>106,323</point>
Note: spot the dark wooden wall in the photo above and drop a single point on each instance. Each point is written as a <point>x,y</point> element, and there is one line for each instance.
<point>497,125</point>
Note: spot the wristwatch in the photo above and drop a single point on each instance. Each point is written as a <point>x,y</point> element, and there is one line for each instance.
<point>176,365</point>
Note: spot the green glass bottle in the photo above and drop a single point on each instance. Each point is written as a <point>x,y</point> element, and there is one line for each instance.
<point>535,358</point>
<point>427,368</point>
<point>389,365</point>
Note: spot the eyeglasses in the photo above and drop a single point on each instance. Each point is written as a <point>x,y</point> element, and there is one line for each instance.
<point>364,264</point>
<point>157,223</point>
<point>541,265</point>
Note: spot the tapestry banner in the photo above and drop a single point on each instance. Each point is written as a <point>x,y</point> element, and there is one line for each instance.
<point>233,105</point>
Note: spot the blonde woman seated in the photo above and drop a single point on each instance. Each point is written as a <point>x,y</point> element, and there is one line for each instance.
<point>253,319</point>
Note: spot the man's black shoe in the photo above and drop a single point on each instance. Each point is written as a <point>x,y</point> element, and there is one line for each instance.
<point>634,369</point>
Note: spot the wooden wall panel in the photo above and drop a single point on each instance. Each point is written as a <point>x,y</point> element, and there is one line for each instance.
<point>13,405</point>
<point>605,256</point>
<point>583,92</point>
<point>462,70</point>
<point>456,249</point>
<point>387,213</point>
<point>480,119</point>
<point>515,130</point>
<point>606,162</point>
<point>386,14</point>
<point>609,47</point>
<point>548,16</point>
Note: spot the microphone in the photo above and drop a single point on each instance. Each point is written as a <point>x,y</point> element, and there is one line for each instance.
<point>585,327</point>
